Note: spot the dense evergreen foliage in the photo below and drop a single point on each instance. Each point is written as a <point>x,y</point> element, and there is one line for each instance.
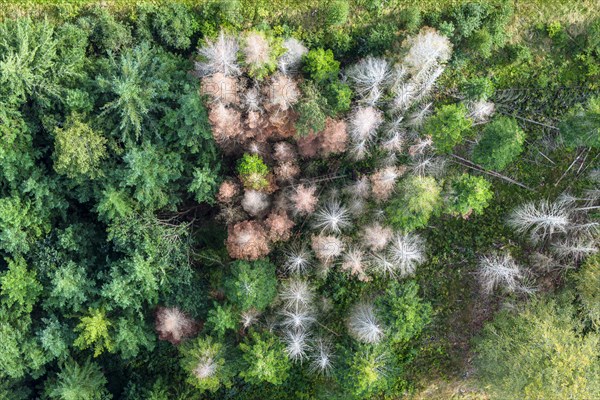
<point>501,142</point>
<point>299,200</point>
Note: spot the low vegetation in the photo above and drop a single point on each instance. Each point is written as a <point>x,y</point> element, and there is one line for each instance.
<point>274,200</point>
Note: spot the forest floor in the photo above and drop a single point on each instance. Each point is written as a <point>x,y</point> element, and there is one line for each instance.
<point>449,278</point>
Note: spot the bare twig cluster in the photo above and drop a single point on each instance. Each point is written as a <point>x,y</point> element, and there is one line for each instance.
<point>298,318</point>
<point>562,232</point>
<point>500,271</point>
<point>564,227</point>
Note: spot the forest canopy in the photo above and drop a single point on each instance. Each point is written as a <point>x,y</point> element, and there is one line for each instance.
<point>299,200</point>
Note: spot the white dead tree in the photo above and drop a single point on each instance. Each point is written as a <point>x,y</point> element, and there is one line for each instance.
<point>364,123</point>
<point>363,324</point>
<point>296,344</point>
<point>220,55</point>
<point>295,293</point>
<point>427,50</point>
<point>290,61</point>
<point>575,248</point>
<point>383,265</point>
<point>297,259</point>
<point>207,366</point>
<point>321,357</point>
<point>481,110</point>
<point>417,118</point>
<point>355,262</point>
<point>369,77</point>
<point>327,248</point>
<point>407,251</point>
<point>501,272</point>
<point>298,318</point>
<point>331,218</point>
<point>540,220</point>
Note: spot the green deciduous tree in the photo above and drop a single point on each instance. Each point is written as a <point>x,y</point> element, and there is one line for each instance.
<point>107,35</point>
<point>33,64</point>
<point>417,200</point>
<point>70,287</point>
<point>339,97</point>
<point>448,127</point>
<point>20,352</point>
<point>320,65</point>
<point>336,12</point>
<point>11,357</point>
<point>368,372</point>
<point>157,264</point>
<point>588,288</point>
<point>174,25</point>
<point>253,172</point>
<point>17,156</point>
<point>132,334</point>
<point>20,224</point>
<point>478,88</point>
<point>187,125</point>
<point>482,43</point>
<point>78,150</point>
<point>540,353</point>
<point>113,204</point>
<point>475,23</point>
<point>134,281</point>
<point>14,390</point>
<point>187,129</point>
<point>500,144</point>
<point>311,111</point>
<point>134,84</point>
<point>55,338</point>
<point>411,19</point>
<point>203,185</point>
<point>402,311</point>
<point>467,194</point>
<point>469,18</point>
